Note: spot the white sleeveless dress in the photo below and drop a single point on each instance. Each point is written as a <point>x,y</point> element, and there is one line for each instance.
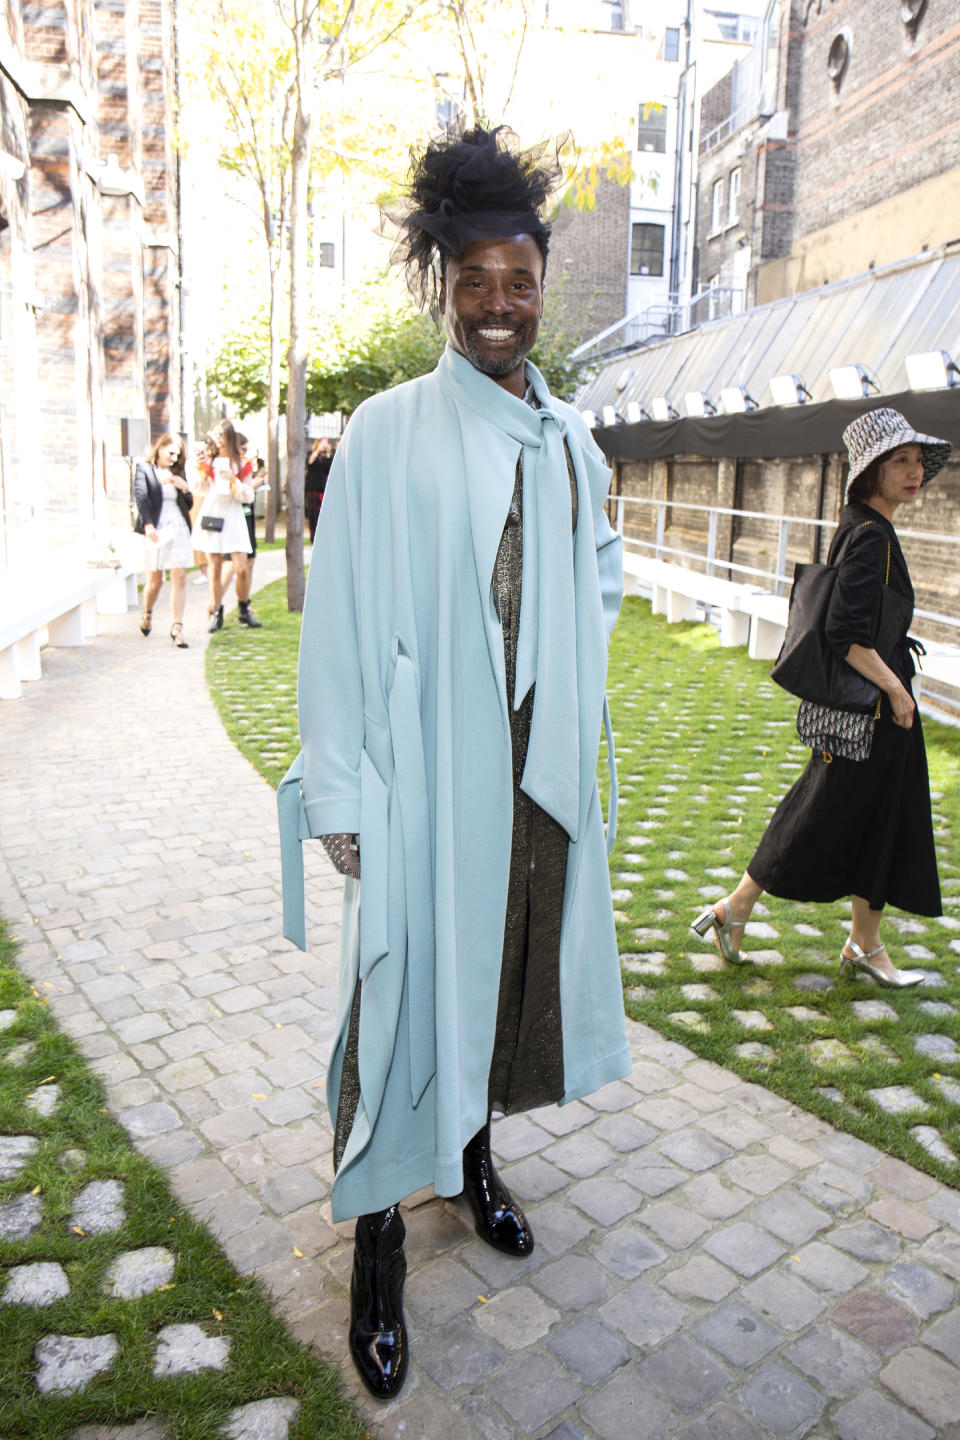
<point>175,551</point>
<point>234,536</point>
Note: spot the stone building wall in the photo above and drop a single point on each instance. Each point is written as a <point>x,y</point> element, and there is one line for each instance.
<point>809,487</point>
<point>866,170</point>
<point>889,123</point>
<point>88,267</point>
<point>766,157</point>
<point>587,268</point>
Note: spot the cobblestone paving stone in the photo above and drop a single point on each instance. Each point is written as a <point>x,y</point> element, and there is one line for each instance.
<point>711,1262</point>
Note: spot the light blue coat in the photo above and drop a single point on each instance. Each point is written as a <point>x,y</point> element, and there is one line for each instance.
<point>406,741</point>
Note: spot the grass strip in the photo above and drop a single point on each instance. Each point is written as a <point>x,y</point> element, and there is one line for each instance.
<point>706,747</point>
<point>78,1143</point>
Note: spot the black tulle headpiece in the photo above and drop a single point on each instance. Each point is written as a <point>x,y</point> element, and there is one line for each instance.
<point>473,186</point>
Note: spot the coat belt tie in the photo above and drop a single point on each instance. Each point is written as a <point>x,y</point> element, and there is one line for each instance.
<point>406,734</point>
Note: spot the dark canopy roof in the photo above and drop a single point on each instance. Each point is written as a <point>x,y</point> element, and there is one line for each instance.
<point>874,320</point>
<point>779,430</point>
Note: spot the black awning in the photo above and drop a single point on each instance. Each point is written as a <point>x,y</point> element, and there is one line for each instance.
<point>778,431</point>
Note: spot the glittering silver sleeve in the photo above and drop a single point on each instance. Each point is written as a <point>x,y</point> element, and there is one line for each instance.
<point>344,852</point>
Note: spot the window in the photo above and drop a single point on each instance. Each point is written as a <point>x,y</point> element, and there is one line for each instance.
<point>838,57</point>
<point>671,45</point>
<point>733,196</point>
<point>716,207</point>
<point>447,111</point>
<point>735,27</point>
<point>616,14</point>
<point>652,129</point>
<point>325,255</point>
<point>646,249</point>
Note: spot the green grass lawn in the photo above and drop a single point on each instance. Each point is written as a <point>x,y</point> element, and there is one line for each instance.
<point>706,747</point>
<point>79,1143</point>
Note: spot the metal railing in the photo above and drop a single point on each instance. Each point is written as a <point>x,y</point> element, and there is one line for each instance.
<point>726,128</point>
<point>709,558</point>
<point>716,302</point>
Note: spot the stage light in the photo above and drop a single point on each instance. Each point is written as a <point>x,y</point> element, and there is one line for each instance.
<point>852,382</point>
<point>735,400</point>
<point>661,409</point>
<point>789,390</point>
<point>590,419</point>
<point>635,412</point>
<point>931,370</point>
<point>611,415</point>
<point>697,402</point>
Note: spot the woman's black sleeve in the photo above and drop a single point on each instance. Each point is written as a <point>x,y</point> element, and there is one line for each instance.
<point>855,603</point>
<point>140,497</point>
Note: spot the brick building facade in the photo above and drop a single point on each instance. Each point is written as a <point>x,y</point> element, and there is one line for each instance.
<point>848,160</point>
<point>587,271</point>
<point>88,266</point>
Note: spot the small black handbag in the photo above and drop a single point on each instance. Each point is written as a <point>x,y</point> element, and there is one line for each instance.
<point>211,522</point>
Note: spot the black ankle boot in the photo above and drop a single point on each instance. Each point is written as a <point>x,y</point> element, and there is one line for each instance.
<point>499,1219</point>
<point>216,620</point>
<point>378,1337</point>
<point>245,616</point>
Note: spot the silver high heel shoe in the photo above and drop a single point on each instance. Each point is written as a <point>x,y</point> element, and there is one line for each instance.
<point>858,962</point>
<point>722,934</point>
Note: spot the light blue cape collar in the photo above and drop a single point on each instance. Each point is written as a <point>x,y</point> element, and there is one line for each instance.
<point>547,647</point>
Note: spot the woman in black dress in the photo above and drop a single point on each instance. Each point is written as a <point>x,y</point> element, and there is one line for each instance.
<point>859,828</point>
<point>315,482</point>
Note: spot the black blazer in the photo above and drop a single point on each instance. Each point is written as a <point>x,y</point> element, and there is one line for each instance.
<point>148,497</point>
<point>857,604</point>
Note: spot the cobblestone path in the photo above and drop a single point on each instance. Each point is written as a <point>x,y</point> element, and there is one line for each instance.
<point>711,1263</point>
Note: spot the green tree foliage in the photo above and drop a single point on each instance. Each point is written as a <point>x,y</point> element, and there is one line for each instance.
<point>240,370</point>
<point>378,340</point>
<point>394,342</point>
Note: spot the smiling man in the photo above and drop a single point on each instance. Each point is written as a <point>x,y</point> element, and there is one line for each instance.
<point>463,587</point>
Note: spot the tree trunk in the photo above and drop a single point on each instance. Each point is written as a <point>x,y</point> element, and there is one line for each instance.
<point>297,354</point>
<point>273,408</point>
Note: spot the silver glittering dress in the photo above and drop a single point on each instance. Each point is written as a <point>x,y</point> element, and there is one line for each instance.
<point>526,1069</point>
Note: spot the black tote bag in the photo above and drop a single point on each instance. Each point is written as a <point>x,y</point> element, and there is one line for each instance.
<point>806,665</point>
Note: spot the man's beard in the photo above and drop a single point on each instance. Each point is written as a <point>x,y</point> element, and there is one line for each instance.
<point>496,366</point>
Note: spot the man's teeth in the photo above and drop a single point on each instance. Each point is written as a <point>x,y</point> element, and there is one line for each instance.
<point>496,334</point>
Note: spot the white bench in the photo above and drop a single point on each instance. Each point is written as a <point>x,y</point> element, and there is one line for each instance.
<point>942,664</point>
<point>63,612</point>
<point>768,624</point>
<point>677,592</point>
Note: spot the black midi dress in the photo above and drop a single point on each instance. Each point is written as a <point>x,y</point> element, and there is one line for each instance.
<point>860,827</point>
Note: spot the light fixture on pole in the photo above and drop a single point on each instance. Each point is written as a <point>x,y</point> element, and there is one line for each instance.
<point>931,370</point>
<point>789,390</point>
<point>661,409</point>
<point>697,403</point>
<point>611,415</point>
<point>852,382</point>
<point>736,400</point>
<point>635,412</point>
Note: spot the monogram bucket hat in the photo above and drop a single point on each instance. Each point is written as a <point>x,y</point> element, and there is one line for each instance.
<point>878,432</point>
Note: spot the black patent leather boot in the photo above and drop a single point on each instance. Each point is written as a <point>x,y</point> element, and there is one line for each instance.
<point>499,1219</point>
<point>378,1336</point>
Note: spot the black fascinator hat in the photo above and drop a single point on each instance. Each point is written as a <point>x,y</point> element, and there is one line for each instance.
<point>473,185</point>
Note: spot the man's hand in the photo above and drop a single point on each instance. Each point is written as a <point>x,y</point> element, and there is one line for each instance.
<point>344,852</point>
